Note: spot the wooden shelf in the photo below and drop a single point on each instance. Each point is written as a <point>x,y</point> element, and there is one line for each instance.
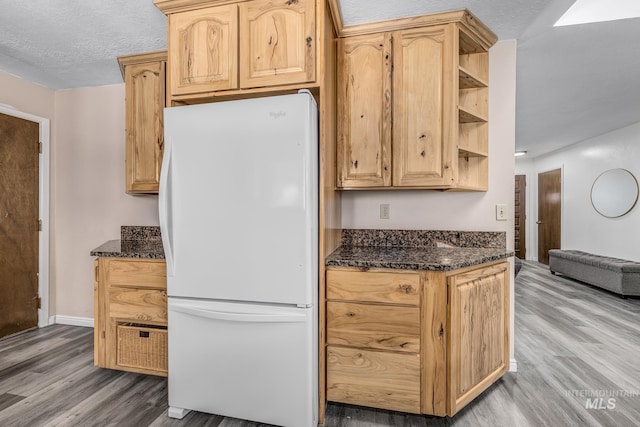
<point>468,81</point>
<point>466,116</point>
<point>466,152</point>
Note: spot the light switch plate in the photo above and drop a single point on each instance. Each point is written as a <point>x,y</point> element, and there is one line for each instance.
<point>384,211</point>
<point>501,212</point>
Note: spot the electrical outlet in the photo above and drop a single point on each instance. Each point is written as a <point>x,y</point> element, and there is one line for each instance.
<point>501,212</point>
<point>384,211</point>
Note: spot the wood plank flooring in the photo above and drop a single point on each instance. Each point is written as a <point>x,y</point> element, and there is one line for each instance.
<point>574,344</point>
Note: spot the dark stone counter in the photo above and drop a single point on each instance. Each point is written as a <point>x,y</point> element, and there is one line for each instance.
<point>150,249</point>
<point>414,258</point>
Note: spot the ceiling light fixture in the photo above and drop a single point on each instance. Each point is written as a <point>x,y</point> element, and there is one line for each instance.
<point>589,11</point>
<point>519,153</point>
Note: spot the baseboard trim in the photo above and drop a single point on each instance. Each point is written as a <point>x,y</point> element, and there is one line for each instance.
<point>513,365</point>
<point>86,322</point>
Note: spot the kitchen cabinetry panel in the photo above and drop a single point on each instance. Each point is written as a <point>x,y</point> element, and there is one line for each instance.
<point>278,43</point>
<point>439,114</point>
<point>364,111</point>
<point>395,288</point>
<point>130,318</point>
<point>456,332</point>
<point>372,378</point>
<point>140,305</point>
<point>144,77</point>
<point>422,148</point>
<point>373,326</point>
<point>148,274</point>
<point>203,50</point>
<point>479,332</point>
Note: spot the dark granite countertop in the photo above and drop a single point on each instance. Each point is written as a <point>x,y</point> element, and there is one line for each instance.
<point>151,249</point>
<point>414,258</point>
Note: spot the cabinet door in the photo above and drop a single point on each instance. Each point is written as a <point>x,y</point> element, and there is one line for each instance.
<point>145,95</point>
<point>203,50</point>
<point>278,45</point>
<point>424,148</point>
<point>479,332</point>
<point>364,111</point>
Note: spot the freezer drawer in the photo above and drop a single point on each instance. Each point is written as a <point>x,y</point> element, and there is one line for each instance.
<point>248,361</point>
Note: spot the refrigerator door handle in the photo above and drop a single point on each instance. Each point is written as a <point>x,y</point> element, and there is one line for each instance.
<point>241,317</point>
<point>164,207</point>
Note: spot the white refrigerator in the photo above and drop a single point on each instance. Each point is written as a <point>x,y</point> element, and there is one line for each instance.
<point>239,219</point>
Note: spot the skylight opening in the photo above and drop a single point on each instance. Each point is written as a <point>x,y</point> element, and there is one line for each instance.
<point>590,11</point>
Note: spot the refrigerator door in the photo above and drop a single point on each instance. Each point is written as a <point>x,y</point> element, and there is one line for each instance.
<point>248,361</point>
<point>238,200</point>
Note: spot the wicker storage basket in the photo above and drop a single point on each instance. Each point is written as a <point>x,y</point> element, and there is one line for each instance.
<point>142,347</point>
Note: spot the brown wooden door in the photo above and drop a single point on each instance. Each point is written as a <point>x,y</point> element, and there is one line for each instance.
<point>18,224</point>
<point>520,217</point>
<point>549,208</point>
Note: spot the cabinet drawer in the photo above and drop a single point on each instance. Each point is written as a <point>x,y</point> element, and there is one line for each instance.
<point>373,326</point>
<point>142,347</point>
<point>399,288</point>
<point>374,378</point>
<point>138,304</point>
<point>142,274</point>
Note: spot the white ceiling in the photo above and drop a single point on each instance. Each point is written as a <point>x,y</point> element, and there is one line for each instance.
<point>573,82</point>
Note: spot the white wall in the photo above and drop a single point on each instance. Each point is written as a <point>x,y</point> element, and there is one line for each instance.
<point>582,227</point>
<point>89,201</point>
<point>434,210</point>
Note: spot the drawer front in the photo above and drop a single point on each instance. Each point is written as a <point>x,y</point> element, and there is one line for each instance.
<point>398,288</point>
<point>373,326</point>
<point>142,348</point>
<point>141,305</point>
<point>141,274</point>
<point>374,378</point>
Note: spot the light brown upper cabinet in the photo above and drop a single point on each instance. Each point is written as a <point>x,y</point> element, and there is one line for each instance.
<point>144,77</point>
<point>413,104</point>
<point>277,46</point>
<point>364,111</point>
<point>203,50</point>
<point>239,45</point>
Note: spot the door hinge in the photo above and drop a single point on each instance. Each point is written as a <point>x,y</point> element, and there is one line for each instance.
<point>38,302</point>
<point>39,225</point>
<point>40,147</point>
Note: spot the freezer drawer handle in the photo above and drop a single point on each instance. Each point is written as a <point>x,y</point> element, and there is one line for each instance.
<point>241,317</point>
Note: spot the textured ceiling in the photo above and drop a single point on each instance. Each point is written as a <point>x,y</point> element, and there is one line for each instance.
<point>573,82</point>
<point>65,44</point>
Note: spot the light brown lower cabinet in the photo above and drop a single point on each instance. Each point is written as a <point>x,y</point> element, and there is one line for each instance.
<point>131,315</point>
<point>418,342</point>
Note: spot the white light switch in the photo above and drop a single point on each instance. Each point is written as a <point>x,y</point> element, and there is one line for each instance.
<point>501,212</point>
<point>384,211</point>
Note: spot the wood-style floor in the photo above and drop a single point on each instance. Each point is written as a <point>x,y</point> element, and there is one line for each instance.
<point>574,344</point>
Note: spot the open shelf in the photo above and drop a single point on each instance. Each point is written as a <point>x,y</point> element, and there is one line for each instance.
<point>467,80</point>
<point>471,153</point>
<point>466,116</point>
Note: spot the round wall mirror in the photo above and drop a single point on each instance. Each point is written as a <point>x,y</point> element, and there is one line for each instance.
<point>614,193</point>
